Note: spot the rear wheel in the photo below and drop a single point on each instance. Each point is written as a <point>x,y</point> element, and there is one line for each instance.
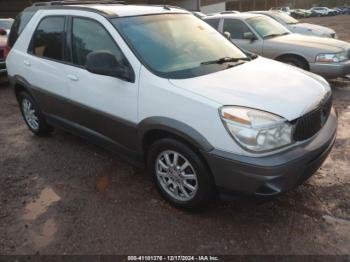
<point>179,173</point>
<point>32,115</point>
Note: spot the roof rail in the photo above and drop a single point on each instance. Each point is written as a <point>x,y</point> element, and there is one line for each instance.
<point>78,2</point>
<point>229,12</point>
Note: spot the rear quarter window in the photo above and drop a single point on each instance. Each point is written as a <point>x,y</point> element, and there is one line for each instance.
<point>18,26</point>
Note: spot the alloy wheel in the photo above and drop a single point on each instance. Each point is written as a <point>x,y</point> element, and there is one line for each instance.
<point>176,175</point>
<point>30,114</point>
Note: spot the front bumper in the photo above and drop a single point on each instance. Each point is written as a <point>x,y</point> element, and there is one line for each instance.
<point>331,70</point>
<point>272,175</point>
<point>3,70</point>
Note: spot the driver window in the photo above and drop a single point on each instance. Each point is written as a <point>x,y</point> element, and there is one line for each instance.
<point>89,36</point>
<point>236,28</point>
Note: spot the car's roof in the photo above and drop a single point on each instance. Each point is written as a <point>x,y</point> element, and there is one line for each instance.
<point>238,15</point>
<point>119,10</point>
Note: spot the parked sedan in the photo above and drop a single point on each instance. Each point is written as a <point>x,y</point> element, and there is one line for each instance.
<point>297,27</point>
<point>298,13</point>
<point>322,11</point>
<point>6,24</point>
<point>284,9</point>
<point>3,42</point>
<point>263,35</point>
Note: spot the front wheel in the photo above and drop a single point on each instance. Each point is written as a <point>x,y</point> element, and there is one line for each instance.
<point>180,174</point>
<point>294,61</point>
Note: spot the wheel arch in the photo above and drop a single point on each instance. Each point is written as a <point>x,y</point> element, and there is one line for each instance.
<point>155,128</point>
<point>20,84</point>
<point>299,56</point>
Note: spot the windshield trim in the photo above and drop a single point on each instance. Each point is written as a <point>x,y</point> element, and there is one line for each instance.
<point>181,74</point>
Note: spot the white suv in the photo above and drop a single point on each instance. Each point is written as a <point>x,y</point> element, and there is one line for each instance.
<point>163,89</point>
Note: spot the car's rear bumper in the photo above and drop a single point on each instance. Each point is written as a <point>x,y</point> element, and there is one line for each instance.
<point>271,175</point>
<point>3,70</point>
<point>333,70</point>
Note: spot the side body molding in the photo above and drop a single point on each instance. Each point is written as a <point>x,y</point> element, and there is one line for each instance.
<point>175,127</point>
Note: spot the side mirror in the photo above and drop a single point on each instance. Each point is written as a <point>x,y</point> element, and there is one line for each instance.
<point>249,36</point>
<point>105,63</point>
<point>227,35</point>
<point>3,32</point>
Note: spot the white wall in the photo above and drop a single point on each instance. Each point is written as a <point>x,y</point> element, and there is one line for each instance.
<point>219,7</point>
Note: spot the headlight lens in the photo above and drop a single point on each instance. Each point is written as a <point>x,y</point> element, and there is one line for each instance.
<point>332,58</point>
<point>256,130</point>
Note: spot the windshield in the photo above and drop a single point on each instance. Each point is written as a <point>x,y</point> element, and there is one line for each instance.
<point>267,27</point>
<point>176,45</point>
<point>6,24</point>
<point>286,18</point>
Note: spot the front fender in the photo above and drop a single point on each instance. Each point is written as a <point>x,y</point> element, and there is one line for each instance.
<point>175,127</point>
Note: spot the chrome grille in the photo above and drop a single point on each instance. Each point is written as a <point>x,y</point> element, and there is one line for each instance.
<point>309,124</point>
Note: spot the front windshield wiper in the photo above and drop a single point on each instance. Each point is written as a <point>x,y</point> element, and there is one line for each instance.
<point>275,35</point>
<point>225,60</point>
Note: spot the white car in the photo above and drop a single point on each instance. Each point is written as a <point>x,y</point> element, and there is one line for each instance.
<point>297,27</point>
<point>163,89</point>
<point>284,9</point>
<point>322,11</point>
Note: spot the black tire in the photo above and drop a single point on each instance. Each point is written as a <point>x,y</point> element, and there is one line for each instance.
<point>205,187</point>
<point>43,129</point>
<point>295,61</point>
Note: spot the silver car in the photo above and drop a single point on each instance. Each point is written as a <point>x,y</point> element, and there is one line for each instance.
<point>297,27</point>
<point>264,36</point>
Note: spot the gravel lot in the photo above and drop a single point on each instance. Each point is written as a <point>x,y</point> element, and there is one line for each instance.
<point>63,195</point>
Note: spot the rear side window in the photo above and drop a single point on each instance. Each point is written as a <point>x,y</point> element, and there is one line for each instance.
<point>48,38</point>
<point>89,36</point>
<point>213,22</point>
<point>18,26</point>
<point>236,28</point>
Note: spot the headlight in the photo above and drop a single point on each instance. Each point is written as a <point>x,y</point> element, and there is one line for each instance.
<point>256,130</point>
<point>332,58</point>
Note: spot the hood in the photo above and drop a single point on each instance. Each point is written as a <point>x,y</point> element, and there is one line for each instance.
<point>312,27</point>
<point>262,84</point>
<point>322,43</point>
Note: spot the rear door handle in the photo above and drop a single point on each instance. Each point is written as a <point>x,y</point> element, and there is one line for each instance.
<point>26,63</point>
<point>72,77</point>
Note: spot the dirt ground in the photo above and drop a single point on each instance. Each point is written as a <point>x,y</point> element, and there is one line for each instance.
<point>63,195</point>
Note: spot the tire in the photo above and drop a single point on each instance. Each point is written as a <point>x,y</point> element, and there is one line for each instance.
<point>295,61</point>
<point>32,115</point>
<point>172,185</point>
